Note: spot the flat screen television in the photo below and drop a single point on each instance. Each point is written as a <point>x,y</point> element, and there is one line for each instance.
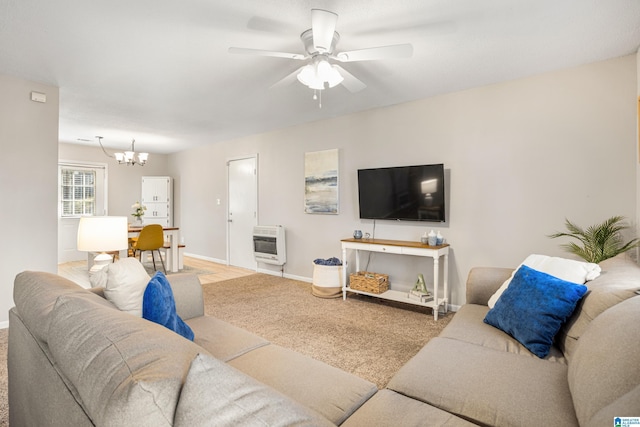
<point>404,193</point>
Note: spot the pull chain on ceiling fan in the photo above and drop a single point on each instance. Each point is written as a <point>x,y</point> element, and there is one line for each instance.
<point>320,46</point>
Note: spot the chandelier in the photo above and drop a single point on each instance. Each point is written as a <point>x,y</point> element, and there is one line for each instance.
<point>129,157</point>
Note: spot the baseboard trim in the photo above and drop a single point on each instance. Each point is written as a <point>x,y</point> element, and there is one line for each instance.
<point>285,275</point>
<point>4,325</point>
<point>206,258</point>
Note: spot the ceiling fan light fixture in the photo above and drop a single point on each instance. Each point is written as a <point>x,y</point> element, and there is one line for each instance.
<point>335,78</point>
<point>319,73</point>
<point>307,75</point>
<point>323,70</point>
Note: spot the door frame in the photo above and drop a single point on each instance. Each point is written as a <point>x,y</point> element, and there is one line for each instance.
<point>257,185</point>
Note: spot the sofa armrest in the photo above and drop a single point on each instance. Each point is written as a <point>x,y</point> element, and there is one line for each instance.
<point>484,282</point>
<point>187,292</point>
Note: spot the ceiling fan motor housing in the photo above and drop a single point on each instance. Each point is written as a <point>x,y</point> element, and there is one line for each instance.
<point>309,47</point>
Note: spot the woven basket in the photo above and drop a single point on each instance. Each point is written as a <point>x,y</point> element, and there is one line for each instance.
<point>374,283</point>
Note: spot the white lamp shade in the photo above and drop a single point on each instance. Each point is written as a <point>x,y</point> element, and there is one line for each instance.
<point>102,233</point>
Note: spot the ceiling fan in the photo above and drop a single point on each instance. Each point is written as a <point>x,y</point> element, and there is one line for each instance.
<point>320,49</point>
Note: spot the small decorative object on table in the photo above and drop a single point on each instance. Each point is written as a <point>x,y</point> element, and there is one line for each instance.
<point>432,238</point>
<point>138,213</point>
<point>369,282</point>
<point>357,234</point>
<point>419,291</point>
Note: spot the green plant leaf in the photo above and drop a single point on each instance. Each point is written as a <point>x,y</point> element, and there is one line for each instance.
<point>598,242</point>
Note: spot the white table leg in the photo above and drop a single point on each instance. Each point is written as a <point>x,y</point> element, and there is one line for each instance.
<point>436,285</point>
<point>345,267</point>
<point>446,283</point>
<point>173,241</point>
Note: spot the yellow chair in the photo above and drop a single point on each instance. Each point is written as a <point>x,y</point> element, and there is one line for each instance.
<point>151,238</point>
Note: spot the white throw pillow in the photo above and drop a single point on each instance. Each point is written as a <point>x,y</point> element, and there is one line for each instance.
<point>126,281</point>
<point>562,268</point>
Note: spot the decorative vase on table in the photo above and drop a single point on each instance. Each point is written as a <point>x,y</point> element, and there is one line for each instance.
<point>138,213</point>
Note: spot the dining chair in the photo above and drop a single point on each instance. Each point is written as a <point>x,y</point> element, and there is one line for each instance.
<point>151,238</point>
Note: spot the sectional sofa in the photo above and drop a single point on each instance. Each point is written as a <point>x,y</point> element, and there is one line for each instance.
<point>75,359</point>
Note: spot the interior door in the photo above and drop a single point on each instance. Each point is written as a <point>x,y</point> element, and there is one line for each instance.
<point>243,211</point>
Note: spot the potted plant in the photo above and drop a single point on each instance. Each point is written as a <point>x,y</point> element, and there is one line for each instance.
<point>138,213</point>
<point>599,242</point>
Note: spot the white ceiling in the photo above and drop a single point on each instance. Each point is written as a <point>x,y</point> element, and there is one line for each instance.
<point>159,71</point>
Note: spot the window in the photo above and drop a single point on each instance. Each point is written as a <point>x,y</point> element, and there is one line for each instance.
<point>77,191</point>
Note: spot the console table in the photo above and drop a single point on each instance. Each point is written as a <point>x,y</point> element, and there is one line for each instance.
<point>403,248</point>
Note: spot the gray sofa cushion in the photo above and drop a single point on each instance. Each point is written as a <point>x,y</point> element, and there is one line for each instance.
<point>33,378</point>
<point>606,360</point>
<point>217,394</point>
<point>467,325</point>
<point>331,392</point>
<point>487,386</point>
<point>388,408</point>
<point>617,282</point>
<point>35,293</point>
<point>223,340</point>
<point>119,364</point>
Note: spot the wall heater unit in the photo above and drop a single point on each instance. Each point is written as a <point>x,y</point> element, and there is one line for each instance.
<point>269,245</point>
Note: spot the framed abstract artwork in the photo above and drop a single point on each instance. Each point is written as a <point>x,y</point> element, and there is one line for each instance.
<point>321,188</point>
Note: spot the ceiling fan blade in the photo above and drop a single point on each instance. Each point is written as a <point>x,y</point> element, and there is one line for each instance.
<point>350,82</point>
<point>323,24</point>
<point>287,80</point>
<point>260,52</point>
<point>375,53</point>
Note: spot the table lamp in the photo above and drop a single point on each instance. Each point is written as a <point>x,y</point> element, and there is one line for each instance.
<point>102,234</point>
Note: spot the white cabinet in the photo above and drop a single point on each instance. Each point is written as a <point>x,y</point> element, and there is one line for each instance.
<point>157,196</point>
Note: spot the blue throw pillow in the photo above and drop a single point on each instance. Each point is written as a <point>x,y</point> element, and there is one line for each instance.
<point>534,307</point>
<point>159,306</point>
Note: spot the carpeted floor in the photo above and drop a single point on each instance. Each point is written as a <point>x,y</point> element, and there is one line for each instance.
<point>366,336</point>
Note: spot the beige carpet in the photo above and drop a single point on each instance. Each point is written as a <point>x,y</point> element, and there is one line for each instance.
<point>366,336</point>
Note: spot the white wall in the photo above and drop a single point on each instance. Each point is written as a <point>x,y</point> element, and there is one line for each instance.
<point>29,142</point>
<point>521,157</point>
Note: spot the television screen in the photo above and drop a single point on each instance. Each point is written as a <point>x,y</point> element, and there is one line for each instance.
<point>408,193</point>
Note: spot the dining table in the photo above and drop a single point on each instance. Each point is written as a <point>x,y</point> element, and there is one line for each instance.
<point>171,234</point>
